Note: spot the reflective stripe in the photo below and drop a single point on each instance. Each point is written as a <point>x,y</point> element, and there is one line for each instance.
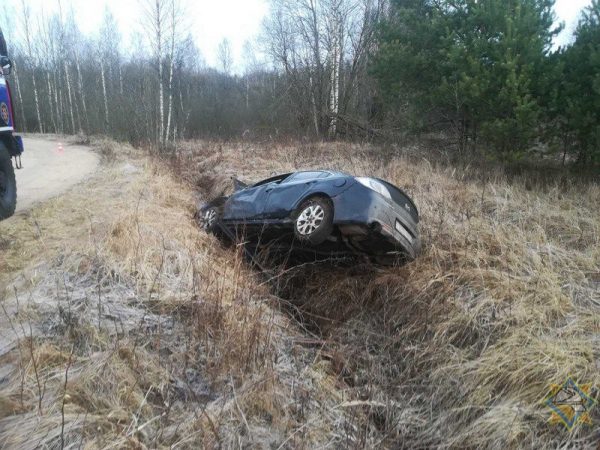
<point>2,81</point>
<point>7,129</point>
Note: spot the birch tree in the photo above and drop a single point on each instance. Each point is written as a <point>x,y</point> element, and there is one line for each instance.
<point>49,55</point>
<point>108,58</point>
<point>64,45</point>
<point>76,42</point>
<point>224,56</point>
<point>31,57</point>
<point>336,36</point>
<point>314,41</point>
<point>176,45</point>
<point>68,49</point>
<point>155,21</point>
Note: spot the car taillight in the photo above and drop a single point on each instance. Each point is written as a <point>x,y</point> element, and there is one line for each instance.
<point>375,186</point>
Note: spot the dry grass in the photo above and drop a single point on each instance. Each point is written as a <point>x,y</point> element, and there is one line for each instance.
<point>124,326</point>
<point>461,345</point>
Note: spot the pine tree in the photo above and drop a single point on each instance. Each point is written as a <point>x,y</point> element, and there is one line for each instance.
<point>577,96</point>
<point>471,65</point>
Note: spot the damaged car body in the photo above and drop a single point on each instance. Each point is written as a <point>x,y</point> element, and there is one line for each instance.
<point>322,210</point>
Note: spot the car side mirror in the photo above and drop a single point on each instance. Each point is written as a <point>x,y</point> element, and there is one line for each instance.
<point>6,65</point>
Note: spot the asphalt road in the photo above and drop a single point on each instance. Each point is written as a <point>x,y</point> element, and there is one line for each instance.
<point>50,167</point>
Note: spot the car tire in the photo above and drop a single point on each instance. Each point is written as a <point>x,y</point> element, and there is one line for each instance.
<point>313,222</point>
<point>210,219</point>
<point>8,185</point>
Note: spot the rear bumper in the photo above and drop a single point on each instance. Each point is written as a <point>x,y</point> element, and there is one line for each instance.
<point>377,226</point>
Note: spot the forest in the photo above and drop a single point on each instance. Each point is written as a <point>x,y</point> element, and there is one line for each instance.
<point>484,75</point>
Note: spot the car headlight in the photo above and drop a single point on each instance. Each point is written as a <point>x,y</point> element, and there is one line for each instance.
<point>375,186</point>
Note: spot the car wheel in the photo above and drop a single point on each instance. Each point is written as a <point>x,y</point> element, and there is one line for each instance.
<point>210,219</point>
<point>314,221</point>
<point>8,185</point>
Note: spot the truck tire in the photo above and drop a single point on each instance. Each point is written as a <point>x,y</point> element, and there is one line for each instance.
<point>8,184</point>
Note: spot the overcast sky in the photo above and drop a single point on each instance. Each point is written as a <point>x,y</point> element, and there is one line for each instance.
<point>212,20</point>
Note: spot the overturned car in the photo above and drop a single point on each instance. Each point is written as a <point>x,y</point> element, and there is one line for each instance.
<point>325,211</point>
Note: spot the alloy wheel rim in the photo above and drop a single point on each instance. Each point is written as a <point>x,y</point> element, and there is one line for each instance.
<point>310,219</point>
<point>210,217</point>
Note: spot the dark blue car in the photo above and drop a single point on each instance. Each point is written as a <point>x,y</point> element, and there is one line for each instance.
<point>324,209</point>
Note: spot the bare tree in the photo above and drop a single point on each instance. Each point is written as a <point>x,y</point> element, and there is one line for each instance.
<point>322,47</point>
<point>26,16</point>
<point>224,56</point>
<point>336,35</point>
<point>295,37</point>
<point>106,49</point>
<point>314,81</point>
<point>176,45</point>
<point>66,46</point>
<point>76,42</point>
<point>251,65</point>
<point>156,21</point>
<point>50,54</point>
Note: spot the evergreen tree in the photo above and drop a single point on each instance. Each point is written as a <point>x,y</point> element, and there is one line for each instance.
<point>474,65</point>
<point>577,93</point>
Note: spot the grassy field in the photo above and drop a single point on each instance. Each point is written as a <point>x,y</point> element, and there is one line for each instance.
<point>124,326</point>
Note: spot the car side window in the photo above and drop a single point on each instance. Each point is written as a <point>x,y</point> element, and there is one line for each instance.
<point>301,176</point>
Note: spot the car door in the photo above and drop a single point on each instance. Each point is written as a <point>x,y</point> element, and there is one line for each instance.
<point>283,196</point>
<point>247,204</point>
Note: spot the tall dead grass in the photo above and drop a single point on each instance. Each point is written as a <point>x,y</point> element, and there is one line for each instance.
<point>458,348</point>
<point>123,326</point>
